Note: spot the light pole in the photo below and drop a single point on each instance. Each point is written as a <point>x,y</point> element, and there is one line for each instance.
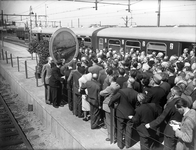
<point>30,32</point>
<point>46,24</point>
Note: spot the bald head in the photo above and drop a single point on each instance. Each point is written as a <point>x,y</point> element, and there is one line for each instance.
<point>95,76</point>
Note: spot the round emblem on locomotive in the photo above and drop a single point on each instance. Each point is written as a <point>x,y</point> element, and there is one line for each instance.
<point>63,45</point>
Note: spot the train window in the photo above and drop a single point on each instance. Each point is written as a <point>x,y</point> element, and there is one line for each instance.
<point>132,45</point>
<point>101,43</point>
<point>114,44</point>
<point>156,47</point>
<point>87,42</point>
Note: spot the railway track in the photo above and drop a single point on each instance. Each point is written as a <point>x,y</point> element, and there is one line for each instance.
<point>15,41</point>
<point>11,134</point>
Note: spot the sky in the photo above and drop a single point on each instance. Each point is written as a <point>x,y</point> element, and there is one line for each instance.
<point>82,14</point>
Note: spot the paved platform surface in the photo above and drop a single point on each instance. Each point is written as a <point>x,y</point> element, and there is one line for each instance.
<point>70,130</point>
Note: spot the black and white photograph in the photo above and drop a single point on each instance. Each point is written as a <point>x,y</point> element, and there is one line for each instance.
<point>98,74</point>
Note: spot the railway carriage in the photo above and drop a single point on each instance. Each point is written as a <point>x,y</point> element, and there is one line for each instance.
<point>157,39</point>
<point>169,40</point>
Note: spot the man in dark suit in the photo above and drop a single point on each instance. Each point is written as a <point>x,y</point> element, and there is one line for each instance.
<point>126,99</point>
<point>171,71</point>
<point>77,102</point>
<point>156,94</point>
<point>46,74</point>
<point>169,113</point>
<point>55,84</point>
<point>93,88</point>
<point>68,87</point>
<point>145,113</point>
<point>121,78</point>
<point>95,68</point>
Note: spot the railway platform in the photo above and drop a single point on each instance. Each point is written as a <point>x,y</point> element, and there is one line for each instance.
<point>70,130</point>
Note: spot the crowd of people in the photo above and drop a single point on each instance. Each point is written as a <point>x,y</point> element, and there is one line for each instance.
<point>151,93</point>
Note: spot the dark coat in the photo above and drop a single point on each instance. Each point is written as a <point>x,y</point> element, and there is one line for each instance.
<point>136,86</point>
<point>145,113</point>
<point>121,80</point>
<point>75,75</point>
<point>193,95</point>
<point>169,113</point>
<point>156,95</point>
<point>93,88</point>
<point>171,81</point>
<point>126,102</point>
<point>102,76</point>
<point>55,79</point>
<point>95,69</point>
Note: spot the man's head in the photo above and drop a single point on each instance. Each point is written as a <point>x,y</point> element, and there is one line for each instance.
<point>186,50</point>
<point>175,91</point>
<point>130,82</point>
<point>50,60</point>
<point>181,105</point>
<point>95,76</point>
<point>121,71</point>
<point>156,79</point>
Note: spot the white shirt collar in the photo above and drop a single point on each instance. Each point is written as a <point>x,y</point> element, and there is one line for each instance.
<point>186,112</point>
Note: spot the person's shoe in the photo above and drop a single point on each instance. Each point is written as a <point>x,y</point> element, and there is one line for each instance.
<point>85,119</point>
<point>107,139</point>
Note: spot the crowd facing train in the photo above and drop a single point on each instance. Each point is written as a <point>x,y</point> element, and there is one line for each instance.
<point>150,92</point>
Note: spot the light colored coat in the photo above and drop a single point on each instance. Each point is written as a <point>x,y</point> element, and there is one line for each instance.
<point>187,133</point>
<point>107,93</point>
<point>46,73</point>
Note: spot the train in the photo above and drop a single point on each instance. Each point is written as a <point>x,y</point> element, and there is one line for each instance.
<point>169,40</point>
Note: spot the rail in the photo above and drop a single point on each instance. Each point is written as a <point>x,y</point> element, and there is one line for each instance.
<point>20,131</point>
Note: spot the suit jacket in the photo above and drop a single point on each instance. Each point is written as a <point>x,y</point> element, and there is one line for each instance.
<point>75,75</point>
<point>55,79</point>
<point>93,88</point>
<point>102,76</point>
<point>145,113</point>
<point>166,86</point>
<point>156,95</point>
<point>168,114</point>
<point>126,102</point>
<point>187,132</point>
<point>189,88</point>
<point>95,69</point>
<point>136,86</point>
<point>46,73</point>
<point>108,93</point>
<point>171,81</point>
<point>121,80</point>
<point>193,95</point>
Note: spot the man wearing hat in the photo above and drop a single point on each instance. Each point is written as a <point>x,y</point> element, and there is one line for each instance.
<point>55,84</point>
<point>93,88</point>
<point>74,76</point>
<point>156,94</point>
<point>169,113</point>
<point>126,99</point>
<point>144,114</point>
<point>46,74</point>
